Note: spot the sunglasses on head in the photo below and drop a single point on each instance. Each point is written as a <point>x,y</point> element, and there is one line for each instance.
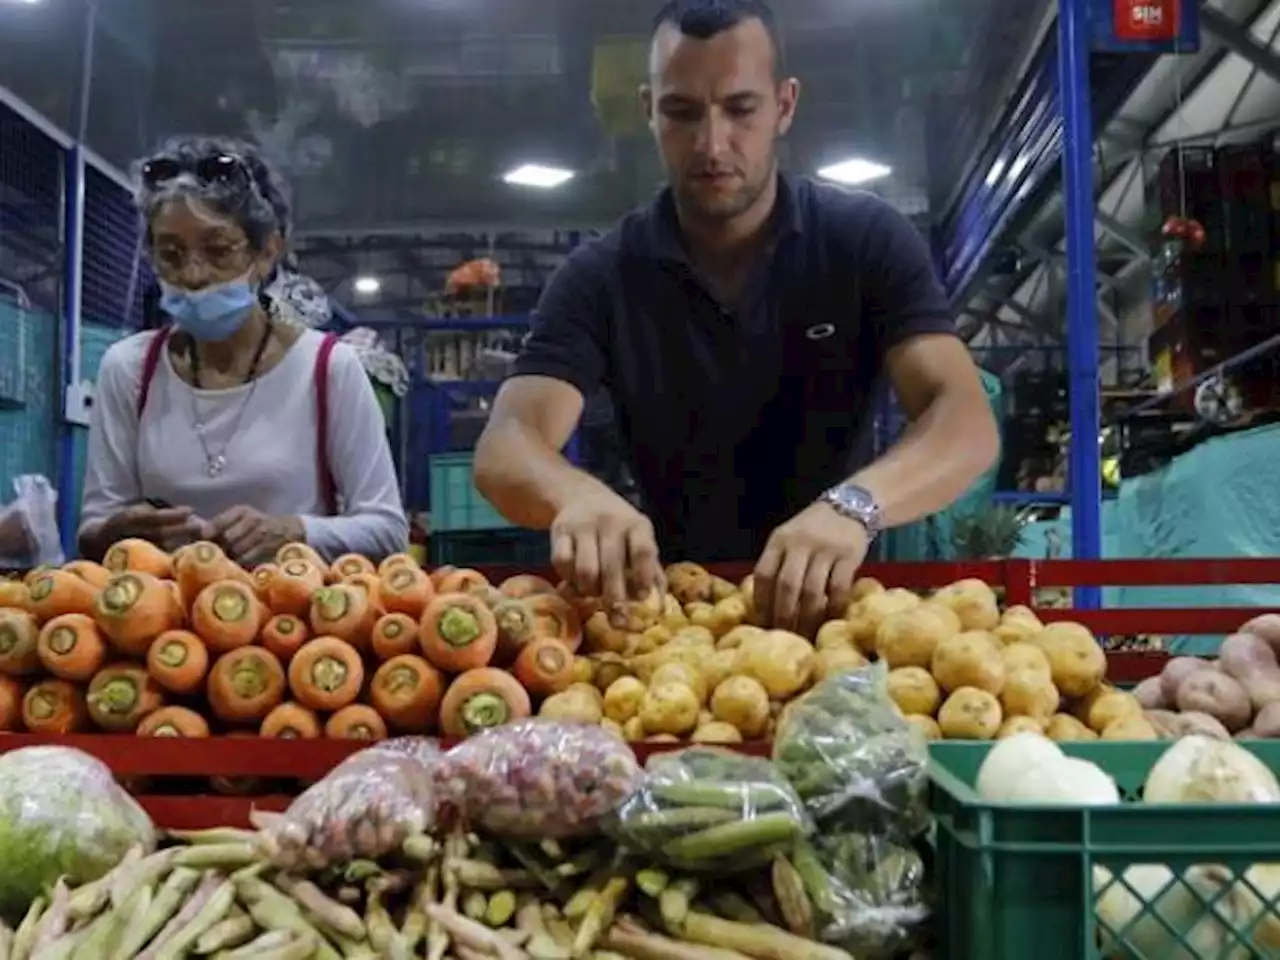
<point>220,168</point>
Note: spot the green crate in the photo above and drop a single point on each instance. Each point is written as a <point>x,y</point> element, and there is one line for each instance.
<point>456,504</point>
<point>1015,882</point>
<point>514,547</point>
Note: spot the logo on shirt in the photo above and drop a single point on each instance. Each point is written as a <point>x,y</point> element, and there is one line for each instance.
<point>820,331</point>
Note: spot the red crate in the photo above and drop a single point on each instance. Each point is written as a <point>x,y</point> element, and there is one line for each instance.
<point>307,760</point>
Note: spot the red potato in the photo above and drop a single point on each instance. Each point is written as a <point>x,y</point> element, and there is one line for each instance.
<point>1218,695</point>
<point>1194,723</point>
<point>1150,693</point>
<point>1265,627</point>
<point>1177,670</point>
<point>1267,723</point>
<point>1251,661</point>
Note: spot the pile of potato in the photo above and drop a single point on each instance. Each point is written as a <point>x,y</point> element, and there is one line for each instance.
<point>692,665</point>
<point>1237,695</point>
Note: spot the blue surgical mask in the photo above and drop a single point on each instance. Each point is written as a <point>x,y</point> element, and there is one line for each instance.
<point>212,313</point>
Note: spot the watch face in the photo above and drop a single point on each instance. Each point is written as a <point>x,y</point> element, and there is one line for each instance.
<point>855,498</point>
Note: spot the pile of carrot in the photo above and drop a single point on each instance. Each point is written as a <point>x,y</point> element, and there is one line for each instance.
<point>190,644</point>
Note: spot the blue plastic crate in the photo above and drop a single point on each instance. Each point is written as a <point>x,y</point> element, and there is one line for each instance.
<point>456,504</point>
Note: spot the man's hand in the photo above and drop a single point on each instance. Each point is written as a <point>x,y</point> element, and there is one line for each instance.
<point>251,537</point>
<point>605,548</point>
<point>167,527</point>
<point>807,569</point>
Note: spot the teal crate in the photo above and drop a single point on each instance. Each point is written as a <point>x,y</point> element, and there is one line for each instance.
<point>514,547</point>
<point>456,504</point>
<point>1016,882</point>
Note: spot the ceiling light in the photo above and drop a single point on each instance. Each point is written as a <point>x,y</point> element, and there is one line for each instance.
<point>854,172</point>
<point>367,285</point>
<point>535,175</point>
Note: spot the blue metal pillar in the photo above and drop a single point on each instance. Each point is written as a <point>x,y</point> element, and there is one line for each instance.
<point>73,259</point>
<point>1085,475</point>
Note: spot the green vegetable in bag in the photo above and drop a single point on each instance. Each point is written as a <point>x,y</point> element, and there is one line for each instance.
<point>62,814</point>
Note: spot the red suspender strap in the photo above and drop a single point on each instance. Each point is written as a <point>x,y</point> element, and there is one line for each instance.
<point>328,488</point>
<point>150,363</point>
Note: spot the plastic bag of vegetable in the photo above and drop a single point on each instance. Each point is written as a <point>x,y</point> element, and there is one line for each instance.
<point>855,762</point>
<point>62,814</point>
<point>366,807</point>
<point>538,779</point>
<point>706,809</point>
<point>869,894</point>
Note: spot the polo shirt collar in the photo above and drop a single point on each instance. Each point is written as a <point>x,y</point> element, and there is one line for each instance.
<point>664,223</point>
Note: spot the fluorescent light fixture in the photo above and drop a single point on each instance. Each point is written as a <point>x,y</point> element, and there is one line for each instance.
<point>536,175</point>
<point>853,172</point>
<point>366,285</point>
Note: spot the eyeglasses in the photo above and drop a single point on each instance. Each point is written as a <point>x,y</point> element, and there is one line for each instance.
<point>220,168</point>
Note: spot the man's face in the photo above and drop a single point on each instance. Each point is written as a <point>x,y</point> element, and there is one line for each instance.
<point>716,109</point>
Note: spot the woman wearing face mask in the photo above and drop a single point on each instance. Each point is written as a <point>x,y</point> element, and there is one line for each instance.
<point>234,422</point>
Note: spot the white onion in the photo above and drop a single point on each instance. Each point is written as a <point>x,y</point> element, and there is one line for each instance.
<point>1198,769</point>
<point>1009,760</point>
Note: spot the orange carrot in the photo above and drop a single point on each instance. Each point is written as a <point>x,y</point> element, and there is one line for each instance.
<point>458,633</point>
<point>461,581</point>
<point>343,611</point>
<point>179,601</point>
<point>14,595</point>
<point>133,609</point>
<point>227,615</point>
<point>372,587</point>
<point>554,616</point>
<point>140,555</point>
<point>201,564</point>
<point>300,551</point>
<point>516,628</point>
<point>35,573</point>
<point>245,685</point>
<point>393,635</point>
<point>356,722</point>
<point>291,721</point>
<point>263,574</point>
<point>174,722</point>
<point>406,590</point>
<point>351,563</point>
<point>526,585</point>
<point>439,573</point>
<point>178,661</point>
<point>19,643</point>
<point>283,635</point>
<point>545,666</point>
<point>57,592</point>
<point>10,703</point>
<point>291,588</point>
<point>91,573</point>
<point>54,707</point>
<point>480,699</point>
<point>71,648</point>
<point>397,560</point>
<point>121,695</point>
<point>326,674</point>
<point>406,692</point>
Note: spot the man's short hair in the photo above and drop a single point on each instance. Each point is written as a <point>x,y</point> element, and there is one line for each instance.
<point>704,19</point>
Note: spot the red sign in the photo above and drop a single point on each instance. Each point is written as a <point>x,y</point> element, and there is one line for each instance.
<point>1147,20</point>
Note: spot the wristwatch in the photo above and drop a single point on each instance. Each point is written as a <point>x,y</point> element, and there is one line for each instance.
<point>856,503</point>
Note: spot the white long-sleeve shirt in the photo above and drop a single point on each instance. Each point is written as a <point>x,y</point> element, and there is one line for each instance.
<point>265,431</point>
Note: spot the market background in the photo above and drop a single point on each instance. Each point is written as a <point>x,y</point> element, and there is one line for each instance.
<point>397,123</point>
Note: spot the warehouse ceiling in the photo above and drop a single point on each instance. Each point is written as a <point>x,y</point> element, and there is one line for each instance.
<point>392,114</point>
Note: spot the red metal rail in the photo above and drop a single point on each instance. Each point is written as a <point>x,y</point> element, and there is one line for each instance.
<point>293,761</point>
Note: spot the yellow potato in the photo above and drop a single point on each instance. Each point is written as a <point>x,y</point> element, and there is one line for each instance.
<point>1111,708</point>
<point>727,614</point>
<point>973,601</point>
<point>679,672</point>
<point>1029,693</point>
<point>835,635</point>
<point>1016,725</point>
<point>719,667</point>
<point>744,703</point>
<point>914,690</point>
<point>969,659</point>
<point>1016,630</point>
<point>693,637</point>
<point>837,660</point>
<point>1026,656</point>
<point>670,708</point>
<point>738,636</point>
<point>717,732</point>
<point>909,638</point>
<point>781,660</point>
<point>633,730</point>
<point>867,614</point>
<point>1064,727</point>
<point>1075,657</point>
<point>623,699</point>
<point>864,587</point>
<point>927,725</point>
<point>1130,727</point>
<point>689,583</point>
<point>970,714</point>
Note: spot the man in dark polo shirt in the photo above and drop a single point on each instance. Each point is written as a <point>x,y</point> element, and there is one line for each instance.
<point>740,324</point>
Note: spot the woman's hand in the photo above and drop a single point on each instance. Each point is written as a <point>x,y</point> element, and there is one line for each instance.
<point>250,537</point>
<point>167,527</point>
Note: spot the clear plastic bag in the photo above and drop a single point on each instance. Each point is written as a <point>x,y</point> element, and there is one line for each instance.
<point>869,894</point>
<point>62,814</point>
<point>538,779</point>
<point>366,807</point>
<point>705,809</point>
<point>855,762</point>
<point>29,526</point>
